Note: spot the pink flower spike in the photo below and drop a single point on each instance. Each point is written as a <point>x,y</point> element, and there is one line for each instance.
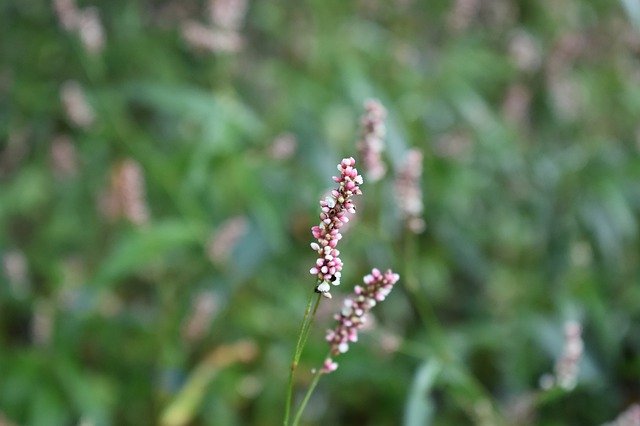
<point>409,193</point>
<point>355,308</point>
<point>333,216</point>
<point>371,144</point>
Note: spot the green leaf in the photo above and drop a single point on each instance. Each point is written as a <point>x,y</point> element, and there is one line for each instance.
<point>419,409</point>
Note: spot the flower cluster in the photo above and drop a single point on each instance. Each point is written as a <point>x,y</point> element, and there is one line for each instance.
<point>126,196</point>
<point>409,193</point>
<point>86,22</point>
<point>76,106</point>
<point>630,417</point>
<point>222,33</point>
<point>333,216</point>
<point>567,367</point>
<point>352,317</point>
<point>371,145</point>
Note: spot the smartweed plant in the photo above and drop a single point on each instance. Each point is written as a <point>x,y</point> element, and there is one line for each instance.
<point>335,211</point>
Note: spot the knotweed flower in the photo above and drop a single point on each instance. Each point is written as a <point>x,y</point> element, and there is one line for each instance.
<point>203,308</point>
<point>629,417</point>
<point>76,105</point>
<point>126,196</point>
<point>283,146</point>
<point>91,31</point>
<point>353,315</point>
<point>201,37</point>
<point>85,22</point>
<point>226,236</point>
<point>67,12</point>
<point>409,193</point>
<point>372,143</point>
<point>228,14</point>
<point>567,367</point>
<point>64,158</point>
<point>333,216</point>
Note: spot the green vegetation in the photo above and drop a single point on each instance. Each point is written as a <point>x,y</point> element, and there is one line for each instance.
<point>159,179</point>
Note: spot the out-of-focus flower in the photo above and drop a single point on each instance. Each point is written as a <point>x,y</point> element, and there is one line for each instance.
<point>566,97</point>
<point>250,386</point>
<point>16,270</point>
<point>515,106</point>
<point>389,342</point>
<point>283,146</point>
<point>454,144</point>
<point>86,22</point>
<point>520,410</point>
<point>208,39</point>
<point>568,365</point>
<point>204,308</point>
<point>629,417</point>
<point>42,323</point>
<point>126,196</point>
<point>225,238</point>
<point>353,315</point>
<point>372,143</point>
<point>67,13</point>
<point>91,31</point>
<point>4,421</point>
<point>75,104</point>
<point>565,93</point>
<point>64,161</point>
<point>332,217</point>
<point>524,52</point>
<point>462,14</point>
<point>409,193</point>
<point>228,14</point>
<point>168,14</point>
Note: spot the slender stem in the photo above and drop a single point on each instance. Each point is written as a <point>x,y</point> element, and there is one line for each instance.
<point>307,396</point>
<point>309,324</point>
<point>303,334</point>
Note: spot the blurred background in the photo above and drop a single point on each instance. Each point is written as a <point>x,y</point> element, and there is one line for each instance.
<point>161,164</point>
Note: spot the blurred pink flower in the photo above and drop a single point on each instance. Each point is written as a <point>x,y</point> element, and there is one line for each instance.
<point>91,31</point>
<point>16,269</point>
<point>64,161</point>
<point>202,37</point>
<point>371,145</point>
<point>225,237</point>
<point>283,146</point>
<point>567,366</point>
<point>629,417</point>
<point>75,104</point>
<point>86,22</point>
<point>203,309</point>
<point>126,195</point>
<point>228,14</point>
<point>409,193</point>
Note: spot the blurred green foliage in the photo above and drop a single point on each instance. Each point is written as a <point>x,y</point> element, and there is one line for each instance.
<point>118,307</point>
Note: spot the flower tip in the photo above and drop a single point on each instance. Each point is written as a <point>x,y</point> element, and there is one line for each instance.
<point>323,287</point>
<point>329,366</point>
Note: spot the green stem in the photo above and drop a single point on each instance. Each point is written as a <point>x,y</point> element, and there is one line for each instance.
<point>309,324</point>
<point>421,303</point>
<point>303,334</point>
<point>307,396</point>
